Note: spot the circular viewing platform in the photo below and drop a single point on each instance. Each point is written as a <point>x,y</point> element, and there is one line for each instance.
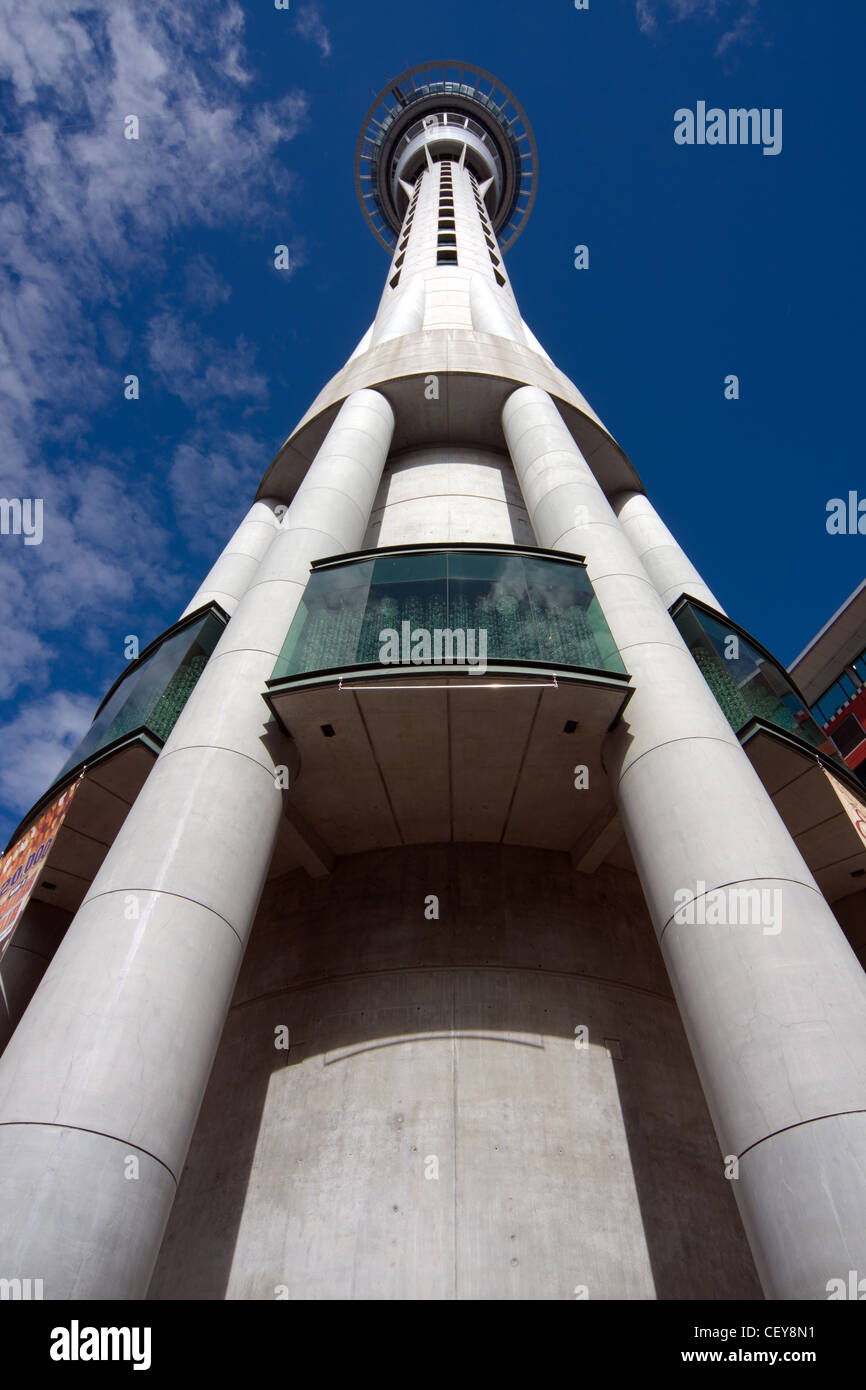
<point>463,108</point>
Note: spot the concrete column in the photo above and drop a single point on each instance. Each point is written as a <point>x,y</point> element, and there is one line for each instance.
<point>230,576</point>
<point>667,565</point>
<point>774,1007</point>
<point>102,1080</point>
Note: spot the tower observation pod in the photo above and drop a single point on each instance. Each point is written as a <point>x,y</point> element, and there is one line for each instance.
<point>428,920</point>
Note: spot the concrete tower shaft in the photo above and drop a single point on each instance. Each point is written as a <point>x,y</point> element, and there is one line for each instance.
<point>400,873</point>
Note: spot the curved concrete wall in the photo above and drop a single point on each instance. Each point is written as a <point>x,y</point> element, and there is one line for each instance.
<point>432,1131</point>
<point>449,494</point>
<point>25,960</point>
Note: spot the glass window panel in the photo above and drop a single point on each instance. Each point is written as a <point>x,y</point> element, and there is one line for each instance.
<point>409,567</point>
<point>571,627</point>
<point>183,679</point>
<point>828,711</point>
<point>849,735</point>
<point>327,627</point>
<point>834,698</point>
<point>747,685</point>
<point>405,589</point>
<point>859,665</point>
<point>487,593</point>
<point>154,692</point>
<point>529,609</point>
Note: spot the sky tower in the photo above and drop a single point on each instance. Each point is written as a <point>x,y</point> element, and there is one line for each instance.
<point>465,932</point>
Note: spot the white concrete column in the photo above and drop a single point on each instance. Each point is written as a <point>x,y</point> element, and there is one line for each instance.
<point>230,576</point>
<point>667,565</point>
<point>772,997</point>
<point>102,1080</point>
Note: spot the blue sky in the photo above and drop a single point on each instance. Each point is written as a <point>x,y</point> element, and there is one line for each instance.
<point>155,257</point>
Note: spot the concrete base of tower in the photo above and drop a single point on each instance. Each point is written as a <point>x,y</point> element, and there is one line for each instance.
<point>486,1094</point>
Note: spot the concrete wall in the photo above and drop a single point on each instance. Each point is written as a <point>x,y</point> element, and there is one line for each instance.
<point>25,960</point>
<point>449,494</point>
<point>430,296</point>
<point>453,1039</point>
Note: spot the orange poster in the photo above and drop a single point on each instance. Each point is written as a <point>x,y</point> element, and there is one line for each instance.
<point>21,866</point>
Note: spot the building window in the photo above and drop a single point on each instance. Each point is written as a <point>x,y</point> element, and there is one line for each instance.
<point>447,238</point>
<point>832,701</point>
<point>849,735</point>
<point>447,256</point>
<point>500,279</point>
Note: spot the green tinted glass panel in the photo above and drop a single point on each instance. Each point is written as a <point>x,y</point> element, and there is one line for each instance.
<point>746,683</point>
<point>405,589</point>
<point>154,691</point>
<point>568,616</point>
<point>487,594</point>
<point>505,606</point>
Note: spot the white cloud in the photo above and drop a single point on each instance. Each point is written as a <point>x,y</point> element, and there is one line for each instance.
<point>745,26</point>
<point>38,742</point>
<point>86,217</point>
<point>649,13</point>
<point>198,369</point>
<point>207,478</point>
<point>311,26</point>
<point>205,288</point>
<point>646,20</point>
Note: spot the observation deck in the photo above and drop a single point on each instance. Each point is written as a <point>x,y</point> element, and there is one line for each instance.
<point>449,110</point>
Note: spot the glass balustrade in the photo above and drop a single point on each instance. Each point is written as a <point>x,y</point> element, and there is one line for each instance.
<point>149,697</point>
<point>434,605</point>
<point>746,681</point>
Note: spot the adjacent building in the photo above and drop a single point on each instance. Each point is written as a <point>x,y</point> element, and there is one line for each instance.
<point>831,672</point>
